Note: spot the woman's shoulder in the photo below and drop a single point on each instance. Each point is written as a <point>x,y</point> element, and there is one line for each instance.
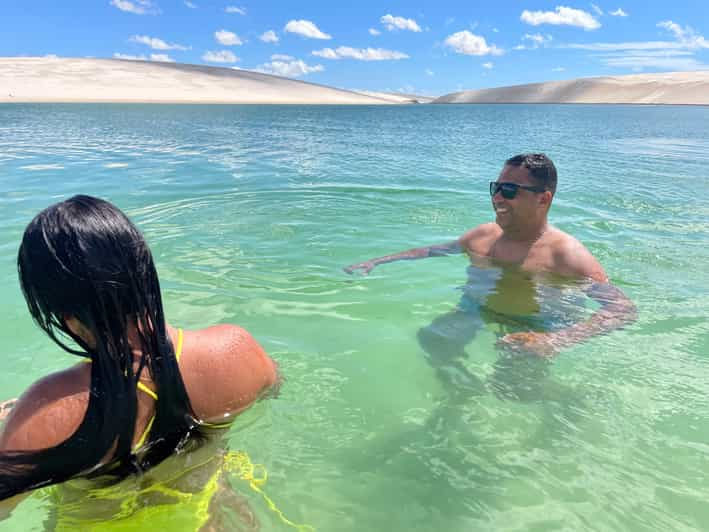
<point>225,370</point>
<point>49,411</point>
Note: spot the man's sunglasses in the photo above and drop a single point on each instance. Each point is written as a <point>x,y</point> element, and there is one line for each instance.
<point>509,190</point>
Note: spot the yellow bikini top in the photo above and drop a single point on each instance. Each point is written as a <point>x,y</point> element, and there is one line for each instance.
<point>143,388</point>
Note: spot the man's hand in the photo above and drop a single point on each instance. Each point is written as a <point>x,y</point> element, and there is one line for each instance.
<point>542,345</point>
<point>366,267</point>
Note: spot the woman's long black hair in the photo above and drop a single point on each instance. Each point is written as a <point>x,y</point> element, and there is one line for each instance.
<point>84,258</point>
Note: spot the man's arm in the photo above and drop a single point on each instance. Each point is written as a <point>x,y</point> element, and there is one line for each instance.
<point>616,311</point>
<point>438,250</point>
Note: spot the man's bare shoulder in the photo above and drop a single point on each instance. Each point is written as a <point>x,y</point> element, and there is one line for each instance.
<point>479,239</point>
<point>49,412</point>
<point>572,258</point>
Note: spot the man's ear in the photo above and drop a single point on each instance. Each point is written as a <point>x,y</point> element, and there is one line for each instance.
<point>545,198</point>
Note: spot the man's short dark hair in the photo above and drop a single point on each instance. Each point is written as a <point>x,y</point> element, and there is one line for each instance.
<point>539,166</point>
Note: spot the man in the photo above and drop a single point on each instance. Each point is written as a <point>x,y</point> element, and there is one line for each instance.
<point>522,243</point>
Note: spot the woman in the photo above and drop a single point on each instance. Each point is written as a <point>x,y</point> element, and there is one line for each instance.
<point>147,391</point>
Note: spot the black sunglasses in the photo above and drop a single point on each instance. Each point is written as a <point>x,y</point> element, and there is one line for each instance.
<point>509,190</point>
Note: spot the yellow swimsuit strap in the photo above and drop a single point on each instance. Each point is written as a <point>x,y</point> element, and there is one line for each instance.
<point>142,387</point>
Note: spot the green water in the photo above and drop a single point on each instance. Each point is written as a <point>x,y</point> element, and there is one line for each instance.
<point>252,212</point>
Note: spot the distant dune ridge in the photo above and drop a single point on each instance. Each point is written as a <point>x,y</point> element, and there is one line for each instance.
<point>666,88</point>
<point>54,79</point>
<point>51,79</point>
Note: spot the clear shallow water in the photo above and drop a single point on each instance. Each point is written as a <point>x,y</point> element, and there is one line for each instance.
<point>251,213</point>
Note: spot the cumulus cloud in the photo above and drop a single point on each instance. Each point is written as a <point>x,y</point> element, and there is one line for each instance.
<point>139,7</point>
<point>163,58</point>
<point>375,32</point>
<point>466,43</point>
<point>227,38</point>
<point>619,13</point>
<point>269,36</point>
<point>220,56</point>
<point>157,44</point>
<point>306,29</point>
<point>361,54</point>
<point>563,16</point>
<point>292,68</point>
<point>399,23</point>
<point>234,9</point>
<point>488,65</point>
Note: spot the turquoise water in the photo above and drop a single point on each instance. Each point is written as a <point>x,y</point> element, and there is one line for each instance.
<point>251,213</point>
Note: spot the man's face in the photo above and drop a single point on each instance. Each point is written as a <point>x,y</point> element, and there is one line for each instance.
<point>524,207</point>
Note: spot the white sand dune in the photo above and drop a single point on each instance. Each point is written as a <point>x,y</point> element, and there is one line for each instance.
<point>688,88</point>
<point>52,79</point>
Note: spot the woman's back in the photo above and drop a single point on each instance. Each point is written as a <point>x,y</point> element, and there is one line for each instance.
<point>223,367</point>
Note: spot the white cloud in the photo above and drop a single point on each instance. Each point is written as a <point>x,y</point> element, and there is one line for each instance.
<point>537,40</point>
<point>361,54</point>
<point>227,38</point>
<point>289,69</point>
<point>495,30</point>
<point>234,9</point>
<point>130,57</point>
<point>139,7</point>
<point>563,16</point>
<point>686,36</point>
<point>269,36</point>
<point>221,56</point>
<point>640,62</point>
<point>399,23</point>
<point>609,47</point>
<point>558,69</point>
<point>375,32</point>
<point>665,55</point>
<point>156,44</point>
<point>429,72</point>
<point>162,58</point>
<point>190,4</point>
<point>281,57</point>
<point>488,65</point>
<point>618,13</point>
<point>306,29</point>
<point>464,42</point>
<point>597,9</point>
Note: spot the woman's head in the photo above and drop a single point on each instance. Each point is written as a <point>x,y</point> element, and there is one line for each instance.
<point>87,273</point>
<point>82,262</point>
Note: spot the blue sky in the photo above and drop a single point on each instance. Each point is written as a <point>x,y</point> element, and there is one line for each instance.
<point>433,47</point>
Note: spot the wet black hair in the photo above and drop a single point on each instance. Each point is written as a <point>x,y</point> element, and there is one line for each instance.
<point>540,168</point>
<point>84,258</point>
